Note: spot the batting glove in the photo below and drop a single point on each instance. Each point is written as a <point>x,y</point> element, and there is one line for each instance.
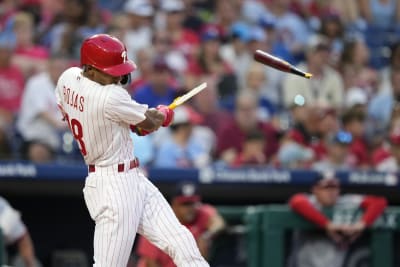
<point>168,114</point>
<point>139,131</point>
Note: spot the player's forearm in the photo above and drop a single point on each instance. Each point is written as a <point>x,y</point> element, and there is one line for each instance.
<point>25,247</point>
<point>154,120</point>
<point>374,207</point>
<point>216,225</point>
<point>300,204</point>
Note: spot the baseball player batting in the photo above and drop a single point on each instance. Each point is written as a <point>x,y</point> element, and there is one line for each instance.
<point>120,199</point>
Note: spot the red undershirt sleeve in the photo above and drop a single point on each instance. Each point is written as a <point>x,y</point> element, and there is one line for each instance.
<point>301,205</point>
<point>373,207</point>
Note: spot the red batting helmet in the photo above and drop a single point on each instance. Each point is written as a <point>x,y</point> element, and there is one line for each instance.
<point>106,53</point>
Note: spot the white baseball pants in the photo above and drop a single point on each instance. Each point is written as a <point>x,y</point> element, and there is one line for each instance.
<point>125,203</point>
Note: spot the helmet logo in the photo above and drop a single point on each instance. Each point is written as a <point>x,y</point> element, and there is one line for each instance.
<point>124,57</point>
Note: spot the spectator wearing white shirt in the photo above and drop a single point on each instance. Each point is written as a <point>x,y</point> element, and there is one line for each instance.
<point>40,122</point>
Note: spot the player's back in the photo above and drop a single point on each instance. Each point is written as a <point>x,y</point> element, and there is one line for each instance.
<point>95,115</point>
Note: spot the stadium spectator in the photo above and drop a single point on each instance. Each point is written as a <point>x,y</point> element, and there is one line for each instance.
<point>245,121</point>
<point>353,121</point>
<point>386,154</point>
<point>15,233</point>
<point>49,15</point>
<point>81,19</point>
<point>313,11</point>
<point>118,25</point>
<point>304,125</point>
<point>207,105</point>
<point>188,145</point>
<point>293,155</point>
<point>326,86</point>
<point>140,30</point>
<point>338,153</point>
<point>224,15</point>
<point>297,113</point>
<point>292,32</point>
<point>252,153</point>
<point>333,29</point>
<point>354,65</point>
<point>209,62</point>
<point>356,98</point>
<point>159,89</point>
<point>28,56</point>
<point>394,61</point>
<point>183,39</point>
<point>40,122</point>
<point>381,106</point>
<point>144,62</point>
<point>162,44</point>
<point>381,14</point>
<point>274,47</point>
<point>387,157</point>
<point>257,83</point>
<point>330,246</point>
<point>202,220</point>
<point>236,52</point>
<point>11,90</point>
<point>327,120</point>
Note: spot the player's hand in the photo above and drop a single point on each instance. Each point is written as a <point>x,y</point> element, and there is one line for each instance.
<point>353,231</point>
<point>334,231</point>
<point>168,114</point>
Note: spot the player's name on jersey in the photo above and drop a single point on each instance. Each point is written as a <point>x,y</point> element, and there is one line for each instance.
<point>73,99</point>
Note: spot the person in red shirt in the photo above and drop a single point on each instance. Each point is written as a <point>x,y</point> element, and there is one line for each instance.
<point>202,220</point>
<point>340,231</point>
<point>231,138</point>
<point>11,88</point>
<point>353,121</point>
<point>28,56</point>
<point>182,39</point>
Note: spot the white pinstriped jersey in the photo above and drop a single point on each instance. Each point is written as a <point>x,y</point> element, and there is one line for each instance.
<point>99,117</point>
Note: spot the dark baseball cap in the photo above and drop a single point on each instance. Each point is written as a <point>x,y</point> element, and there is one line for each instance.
<point>341,137</point>
<point>186,192</point>
<point>326,178</point>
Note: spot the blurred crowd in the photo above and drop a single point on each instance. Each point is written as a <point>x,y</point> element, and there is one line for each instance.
<point>347,116</point>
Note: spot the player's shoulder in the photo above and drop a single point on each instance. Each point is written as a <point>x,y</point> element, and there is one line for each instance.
<point>117,91</point>
<point>71,73</point>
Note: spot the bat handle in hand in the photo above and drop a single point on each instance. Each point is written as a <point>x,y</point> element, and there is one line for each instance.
<point>173,105</point>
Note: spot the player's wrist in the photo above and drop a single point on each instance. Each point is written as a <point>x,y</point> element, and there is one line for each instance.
<point>168,114</point>
<point>139,131</point>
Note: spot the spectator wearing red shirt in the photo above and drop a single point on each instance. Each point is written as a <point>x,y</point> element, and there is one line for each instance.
<point>31,58</point>
<point>387,157</point>
<point>202,220</point>
<point>184,40</point>
<point>209,63</point>
<point>207,105</point>
<point>328,123</point>
<point>253,151</point>
<point>11,89</point>
<point>338,153</point>
<point>329,247</point>
<point>231,138</point>
<point>353,121</point>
